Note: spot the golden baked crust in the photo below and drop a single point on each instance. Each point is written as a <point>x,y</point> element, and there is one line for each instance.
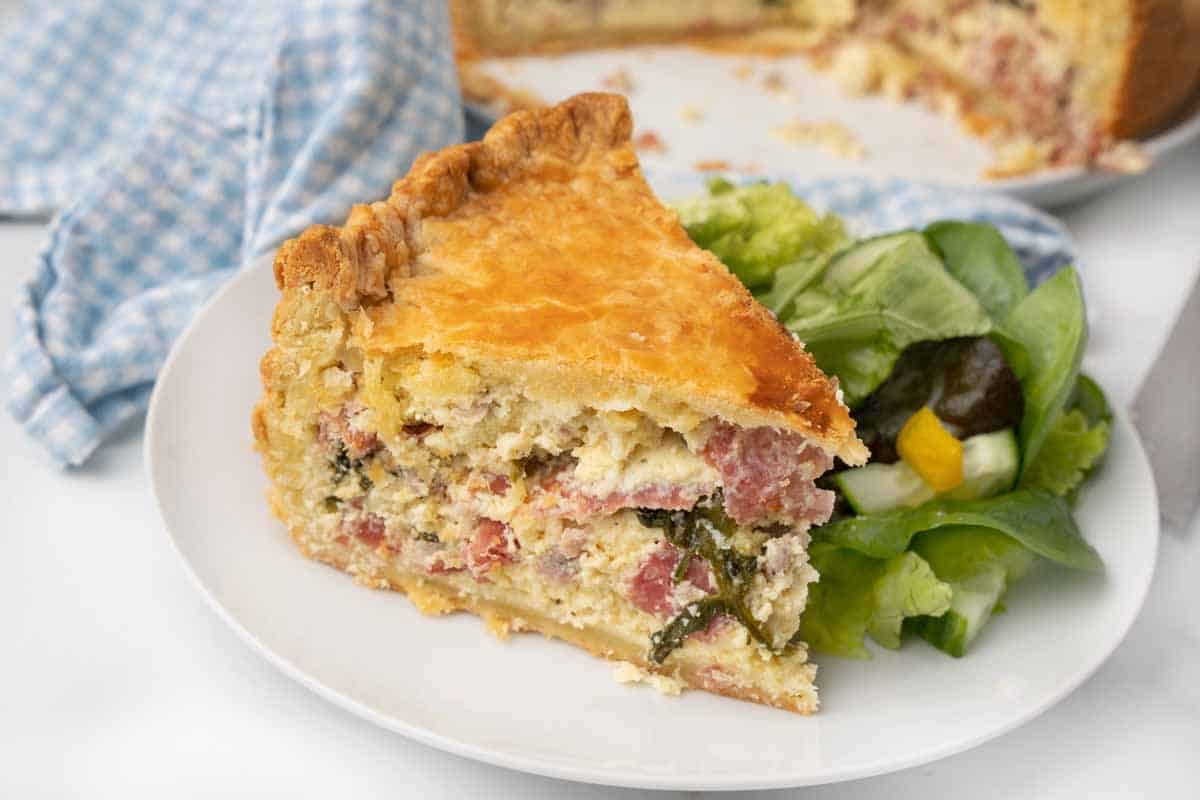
<point>542,246</point>
<point>1161,73</point>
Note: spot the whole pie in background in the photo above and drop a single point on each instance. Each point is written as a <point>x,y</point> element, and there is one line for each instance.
<point>1047,83</point>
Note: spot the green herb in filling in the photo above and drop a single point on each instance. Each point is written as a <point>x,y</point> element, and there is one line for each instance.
<point>707,532</point>
<point>694,618</point>
<point>340,465</point>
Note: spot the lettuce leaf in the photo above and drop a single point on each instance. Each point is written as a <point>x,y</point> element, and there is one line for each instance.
<point>977,255</point>
<point>1070,450</point>
<point>1089,398</point>
<point>758,228</point>
<point>979,566</point>
<point>857,595</point>
<point>959,552</point>
<point>1051,324</point>
<point>1036,518</point>
<point>908,587</point>
<point>857,332</point>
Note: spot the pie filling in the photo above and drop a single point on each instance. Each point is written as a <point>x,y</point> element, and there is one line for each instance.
<point>997,66</point>
<point>685,539</point>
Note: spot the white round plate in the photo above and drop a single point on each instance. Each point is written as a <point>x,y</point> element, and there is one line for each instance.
<point>670,85</point>
<point>541,706</point>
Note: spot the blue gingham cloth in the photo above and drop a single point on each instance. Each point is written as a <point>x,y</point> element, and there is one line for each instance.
<point>177,140</point>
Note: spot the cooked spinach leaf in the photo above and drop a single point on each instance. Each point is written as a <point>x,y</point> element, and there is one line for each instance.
<point>704,532</point>
<point>341,465</point>
<point>694,618</point>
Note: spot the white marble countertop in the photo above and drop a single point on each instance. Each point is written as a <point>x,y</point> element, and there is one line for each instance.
<point>120,682</point>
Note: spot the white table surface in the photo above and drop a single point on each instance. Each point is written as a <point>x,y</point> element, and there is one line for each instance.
<point>118,681</point>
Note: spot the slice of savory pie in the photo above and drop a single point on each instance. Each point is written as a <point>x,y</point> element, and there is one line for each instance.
<point>517,388</point>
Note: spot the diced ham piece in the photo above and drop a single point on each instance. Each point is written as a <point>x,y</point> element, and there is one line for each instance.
<point>674,498</point>
<point>419,430</point>
<point>497,484</point>
<point>368,529</point>
<point>652,587</point>
<point>339,429</point>
<point>555,478</point>
<point>438,567</point>
<point>650,590</point>
<point>492,544</point>
<point>699,574</point>
<point>768,474</point>
<point>556,567</point>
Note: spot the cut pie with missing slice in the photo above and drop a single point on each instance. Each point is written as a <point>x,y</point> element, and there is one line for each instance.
<point>517,388</point>
<point>1047,82</point>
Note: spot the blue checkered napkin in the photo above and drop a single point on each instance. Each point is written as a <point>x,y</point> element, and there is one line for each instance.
<point>880,205</point>
<point>179,140</point>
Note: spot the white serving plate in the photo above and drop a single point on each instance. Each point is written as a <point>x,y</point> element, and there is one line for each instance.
<point>901,140</point>
<point>541,706</point>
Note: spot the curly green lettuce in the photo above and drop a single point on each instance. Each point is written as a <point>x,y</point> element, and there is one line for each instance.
<point>758,229</point>
<point>1071,449</point>
<point>859,595</point>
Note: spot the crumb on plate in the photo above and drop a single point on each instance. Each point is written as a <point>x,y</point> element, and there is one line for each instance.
<point>619,81</point>
<point>649,142</point>
<point>831,135</point>
<point>774,82</point>
<point>624,672</point>
<point>1124,158</point>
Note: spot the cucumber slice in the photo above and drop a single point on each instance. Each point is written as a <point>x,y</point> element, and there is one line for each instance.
<point>849,265</point>
<point>882,487</point>
<point>990,463</point>
<point>971,607</point>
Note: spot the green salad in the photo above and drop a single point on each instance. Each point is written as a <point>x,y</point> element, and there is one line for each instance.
<point>965,385</point>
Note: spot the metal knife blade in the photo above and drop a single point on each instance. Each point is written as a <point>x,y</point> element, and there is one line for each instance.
<point>1167,415</point>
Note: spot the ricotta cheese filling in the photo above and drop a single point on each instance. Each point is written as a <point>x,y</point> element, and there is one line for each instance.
<point>494,494</point>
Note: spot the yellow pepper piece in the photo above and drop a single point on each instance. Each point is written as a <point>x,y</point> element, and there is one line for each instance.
<point>931,450</point>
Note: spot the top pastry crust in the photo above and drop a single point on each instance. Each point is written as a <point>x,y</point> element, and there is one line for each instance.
<point>542,251</point>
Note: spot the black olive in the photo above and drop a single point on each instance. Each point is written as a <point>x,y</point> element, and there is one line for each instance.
<point>965,381</point>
